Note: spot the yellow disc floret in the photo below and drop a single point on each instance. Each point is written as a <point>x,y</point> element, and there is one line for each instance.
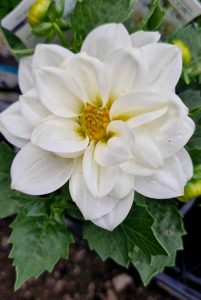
<point>94,122</point>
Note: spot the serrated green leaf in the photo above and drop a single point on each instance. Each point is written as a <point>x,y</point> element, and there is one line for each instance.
<point>89,14</point>
<point>168,228</point>
<point>38,243</point>
<point>107,244</point>
<point>136,230</point>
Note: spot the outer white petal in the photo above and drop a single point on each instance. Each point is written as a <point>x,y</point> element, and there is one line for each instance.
<point>117,147</point>
<point>147,155</point>
<point>32,108</point>
<point>186,163</point>
<point>91,75</point>
<point>138,109</point>
<point>166,183</point>
<point>176,136</point>
<point>123,185</point>
<point>90,206</point>
<point>165,65</point>
<point>133,167</point>
<point>117,215</point>
<point>25,74</point>
<point>173,129</point>
<point>127,72</point>
<point>17,142</point>
<point>105,39</point>
<point>49,55</point>
<point>61,136</point>
<point>37,172</point>
<point>99,180</point>
<point>59,92</point>
<point>142,38</point>
<point>15,123</point>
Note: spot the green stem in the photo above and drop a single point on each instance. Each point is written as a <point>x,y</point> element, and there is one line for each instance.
<point>22,52</point>
<point>60,34</point>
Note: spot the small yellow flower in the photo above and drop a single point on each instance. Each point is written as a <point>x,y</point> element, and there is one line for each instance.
<point>37,12</point>
<point>186,53</point>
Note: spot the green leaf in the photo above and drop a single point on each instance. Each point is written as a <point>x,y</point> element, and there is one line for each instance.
<point>17,47</point>
<point>6,157</point>
<point>190,35</point>
<point>192,98</point>
<point>9,205</point>
<point>153,20</point>
<point>136,230</point>
<point>89,14</point>
<point>42,29</point>
<point>7,6</point>
<point>157,16</point>
<point>38,243</point>
<point>168,228</point>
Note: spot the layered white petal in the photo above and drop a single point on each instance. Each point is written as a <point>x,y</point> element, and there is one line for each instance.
<point>132,167</point>
<point>147,155</point>
<point>91,75</point>
<point>32,108</point>
<point>137,109</point>
<point>103,40</point>
<point>117,147</point>
<point>127,72</point>
<point>37,172</point>
<point>117,215</point>
<point>59,135</point>
<point>59,92</point>
<point>90,206</point>
<point>165,66</point>
<point>124,183</point>
<point>25,74</point>
<point>16,141</point>
<point>173,129</point>
<point>166,183</point>
<point>99,180</point>
<point>142,38</point>
<point>185,162</point>
<point>15,123</point>
<point>49,55</point>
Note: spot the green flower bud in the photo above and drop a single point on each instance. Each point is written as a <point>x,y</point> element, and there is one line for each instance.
<point>42,29</point>
<point>186,53</point>
<point>193,187</point>
<point>38,12</point>
<point>192,190</point>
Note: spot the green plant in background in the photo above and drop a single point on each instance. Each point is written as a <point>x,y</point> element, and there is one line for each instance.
<point>7,6</point>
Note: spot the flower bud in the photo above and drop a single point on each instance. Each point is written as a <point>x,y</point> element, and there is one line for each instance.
<point>186,53</point>
<point>193,187</point>
<point>38,11</point>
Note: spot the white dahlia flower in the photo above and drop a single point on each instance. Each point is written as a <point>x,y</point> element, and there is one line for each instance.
<point>107,119</point>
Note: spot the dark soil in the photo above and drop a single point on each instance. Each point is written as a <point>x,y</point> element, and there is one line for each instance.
<point>83,277</point>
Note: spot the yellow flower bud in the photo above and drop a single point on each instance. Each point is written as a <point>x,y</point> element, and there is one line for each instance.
<point>186,53</point>
<point>192,190</point>
<point>37,12</point>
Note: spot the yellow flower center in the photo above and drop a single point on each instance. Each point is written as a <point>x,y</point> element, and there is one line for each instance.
<point>94,122</point>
